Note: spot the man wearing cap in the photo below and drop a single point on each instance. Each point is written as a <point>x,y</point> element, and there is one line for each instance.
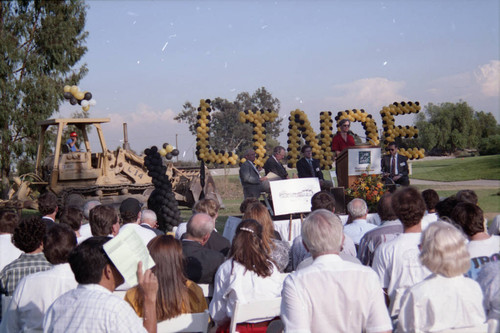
<point>130,212</point>
<point>72,142</point>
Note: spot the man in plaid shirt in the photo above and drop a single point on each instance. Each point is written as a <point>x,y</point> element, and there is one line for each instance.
<point>28,237</point>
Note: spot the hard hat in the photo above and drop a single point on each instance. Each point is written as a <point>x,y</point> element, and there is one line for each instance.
<point>73,134</point>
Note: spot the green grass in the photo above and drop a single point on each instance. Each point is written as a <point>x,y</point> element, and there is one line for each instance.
<point>458,169</point>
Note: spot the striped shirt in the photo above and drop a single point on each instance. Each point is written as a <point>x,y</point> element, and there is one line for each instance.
<point>25,265</point>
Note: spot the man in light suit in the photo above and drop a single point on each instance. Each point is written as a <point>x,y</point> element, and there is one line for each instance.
<point>394,166</point>
<point>253,184</point>
<point>273,163</point>
<point>308,167</point>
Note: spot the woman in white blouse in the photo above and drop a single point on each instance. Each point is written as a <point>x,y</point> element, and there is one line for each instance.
<point>248,275</point>
<point>445,299</point>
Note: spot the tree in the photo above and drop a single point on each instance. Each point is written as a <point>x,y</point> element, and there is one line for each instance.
<point>41,43</point>
<point>451,126</point>
<point>226,131</point>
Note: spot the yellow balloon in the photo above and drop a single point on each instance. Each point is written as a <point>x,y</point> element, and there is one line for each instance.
<point>86,108</point>
<point>67,88</point>
<point>73,90</point>
<point>169,148</point>
<point>163,152</point>
<point>79,95</point>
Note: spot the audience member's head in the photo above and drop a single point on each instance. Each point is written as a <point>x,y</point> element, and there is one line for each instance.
<point>259,213</point>
<point>323,200</point>
<point>28,235</point>
<point>103,221</point>
<point>73,217</point>
<point>246,203</point>
<point>445,207</point>
<point>149,217</point>
<point>47,203</point>
<point>408,205</point>
<point>58,243</point>
<point>88,260</point>
<point>88,207</point>
<point>207,206</point>
<point>469,217</point>
<point>322,233</point>
<point>199,227</point>
<point>467,196</point>
<point>431,198</point>
<point>129,210</point>
<point>384,208</point>
<point>357,209</point>
<point>248,248</point>
<point>444,250</point>
<point>8,221</point>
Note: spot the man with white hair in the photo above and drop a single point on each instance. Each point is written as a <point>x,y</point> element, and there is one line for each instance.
<point>344,297</point>
<point>150,222</point>
<point>358,210</point>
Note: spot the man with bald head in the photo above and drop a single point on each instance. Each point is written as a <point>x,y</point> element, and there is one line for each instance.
<point>201,263</point>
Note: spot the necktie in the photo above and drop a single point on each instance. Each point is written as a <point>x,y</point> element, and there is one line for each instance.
<point>393,166</point>
<point>311,166</point>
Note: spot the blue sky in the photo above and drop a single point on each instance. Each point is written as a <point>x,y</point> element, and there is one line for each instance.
<point>146,59</point>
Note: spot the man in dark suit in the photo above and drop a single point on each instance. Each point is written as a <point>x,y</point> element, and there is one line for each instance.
<point>253,184</point>
<point>149,221</point>
<point>394,166</point>
<point>273,163</point>
<point>201,263</point>
<point>308,167</point>
<point>47,206</point>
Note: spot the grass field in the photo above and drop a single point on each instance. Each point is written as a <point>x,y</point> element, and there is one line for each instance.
<point>458,169</point>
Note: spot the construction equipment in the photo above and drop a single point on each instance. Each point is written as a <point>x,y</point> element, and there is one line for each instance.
<point>108,176</point>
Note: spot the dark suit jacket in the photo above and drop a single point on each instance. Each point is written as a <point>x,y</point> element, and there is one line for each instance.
<point>201,263</point>
<point>218,243</point>
<point>402,163</point>
<point>304,169</point>
<point>48,223</point>
<point>250,180</point>
<point>274,166</point>
<point>156,231</point>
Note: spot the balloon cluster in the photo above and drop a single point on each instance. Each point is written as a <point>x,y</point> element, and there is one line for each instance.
<point>203,150</point>
<point>162,200</point>
<point>168,151</point>
<point>391,132</point>
<point>75,96</point>
<point>366,120</point>
<point>258,119</point>
<point>325,141</point>
<point>298,123</point>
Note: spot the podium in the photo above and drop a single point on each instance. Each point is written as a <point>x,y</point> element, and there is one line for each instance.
<point>355,160</point>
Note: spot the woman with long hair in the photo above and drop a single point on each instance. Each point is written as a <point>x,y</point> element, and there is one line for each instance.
<point>176,294</point>
<point>278,249</point>
<point>248,275</point>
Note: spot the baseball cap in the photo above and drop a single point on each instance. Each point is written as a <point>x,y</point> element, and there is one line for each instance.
<point>73,134</point>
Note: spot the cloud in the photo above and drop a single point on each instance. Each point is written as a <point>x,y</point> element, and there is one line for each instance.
<point>488,78</point>
<point>368,93</point>
<point>145,115</point>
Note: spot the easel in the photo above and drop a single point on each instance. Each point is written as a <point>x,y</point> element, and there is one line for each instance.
<point>290,225</point>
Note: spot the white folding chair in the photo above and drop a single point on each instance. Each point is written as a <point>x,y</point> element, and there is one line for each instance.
<point>188,322</point>
<point>208,289</point>
<point>5,304</point>
<point>254,311</point>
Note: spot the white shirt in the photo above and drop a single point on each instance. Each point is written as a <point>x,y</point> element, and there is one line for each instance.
<point>428,219</point>
<point>91,308</point>
<point>440,303</point>
<point>243,286</point>
<point>357,229</point>
<point>333,295</point>
<point>398,266</point>
<point>85,230</point>
<point>33,296</point>
<point>8,252</point>
<point>181,229</point>
<point>482,252</point>
<point>145,234</point>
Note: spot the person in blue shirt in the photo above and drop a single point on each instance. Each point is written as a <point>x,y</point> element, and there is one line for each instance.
<point>72,142</point>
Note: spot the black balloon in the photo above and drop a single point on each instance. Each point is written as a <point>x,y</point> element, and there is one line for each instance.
<point>88,96</point>
<point>73,100</point>
<point>68,95</point>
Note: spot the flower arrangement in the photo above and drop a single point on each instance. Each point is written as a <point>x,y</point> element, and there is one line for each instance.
<point>369,188</point>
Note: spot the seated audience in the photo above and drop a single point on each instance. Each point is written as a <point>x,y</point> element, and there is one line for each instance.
<point>331,295</point>
<point>278,250</point>
<point>396,262</point>
<point>176,294</point>
<point>482,247</point>
<point>130,213</point>
<point>36,292</point>
<point>47,206</point>
<point>73,217</point>
<point>390,228</point>
<point>8,252</point>
<point>87,207</point>
<point>248,275</point>
<point>446,299</point>
<point>489,280</point>
<point>28,237</point>
<point>445,206</point>
<point>104,221</point>
<point>358,226</point>
<point>247,202</point>
<point>201,263</point>
<point>150,221</point>
<point>216,241</point>
<point>494,228</point>
<point>92,307</point>
<point>467,196</point>
<point>431,199</point>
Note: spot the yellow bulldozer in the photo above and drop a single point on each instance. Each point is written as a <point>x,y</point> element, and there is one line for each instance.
<point>98,173</point>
